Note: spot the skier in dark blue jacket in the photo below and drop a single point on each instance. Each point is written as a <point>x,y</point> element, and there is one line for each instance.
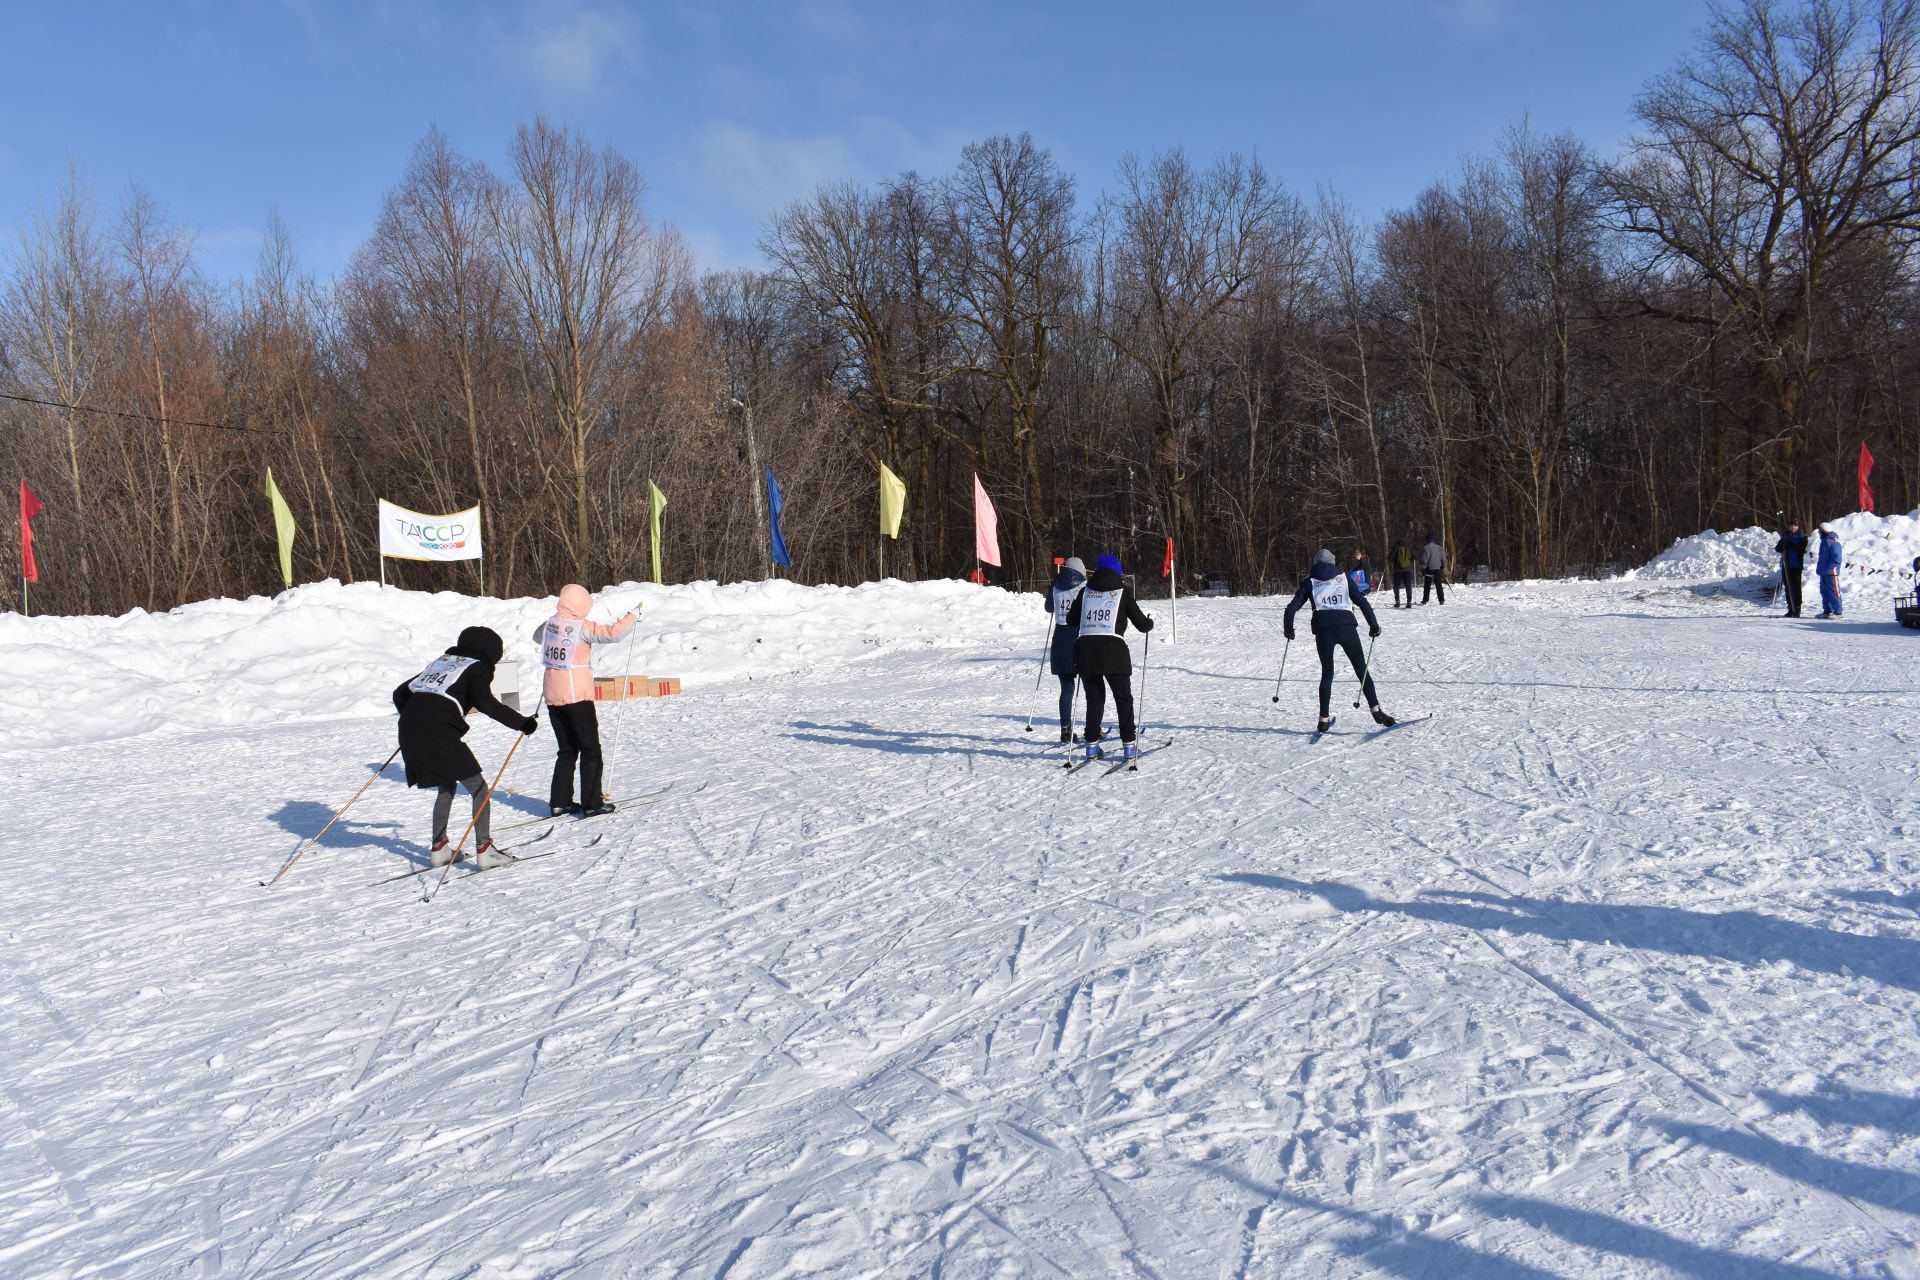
<point>1793,564</point>
<point>1331,597</point>
<point>1066,589</point>
<point>1828,568</point>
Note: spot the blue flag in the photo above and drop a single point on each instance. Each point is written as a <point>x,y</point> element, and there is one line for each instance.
<point>774,503</point>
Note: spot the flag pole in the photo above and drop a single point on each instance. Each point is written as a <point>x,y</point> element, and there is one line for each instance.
<point>1173,586</point>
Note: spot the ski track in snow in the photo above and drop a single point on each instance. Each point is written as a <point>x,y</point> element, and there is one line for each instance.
<point>1611,969</point>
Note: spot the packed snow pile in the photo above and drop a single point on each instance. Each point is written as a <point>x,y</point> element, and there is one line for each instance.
<point>329,651</point>
<point>1877,559</point>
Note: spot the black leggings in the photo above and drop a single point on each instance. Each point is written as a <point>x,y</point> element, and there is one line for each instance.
<point>1066,702</point>
<point>1347,638</point>
<point>1097,686</point>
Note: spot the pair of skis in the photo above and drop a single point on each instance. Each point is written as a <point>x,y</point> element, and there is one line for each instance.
<point>1318,734</point>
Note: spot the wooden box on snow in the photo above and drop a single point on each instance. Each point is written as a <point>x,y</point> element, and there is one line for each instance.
<point>620,688</point>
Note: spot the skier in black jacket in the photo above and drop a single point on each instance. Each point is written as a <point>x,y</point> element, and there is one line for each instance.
<point>1060,600</point>
<point>1793,564</point>
<point>1100,652</point>
<point>433,708</point>
<point>1329,594</point>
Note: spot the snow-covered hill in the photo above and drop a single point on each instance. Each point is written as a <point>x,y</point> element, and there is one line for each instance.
<point>1611,969</point>
<point>1879,553</point>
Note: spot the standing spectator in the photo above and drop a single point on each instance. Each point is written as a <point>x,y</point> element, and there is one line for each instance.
<point>1828,568</point>
<point>1793,564</point>
<point>1357,575</point>
<point>1402,560</point>
<point>1433,571</point>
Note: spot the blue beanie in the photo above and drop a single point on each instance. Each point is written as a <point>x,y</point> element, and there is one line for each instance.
<point>1109,562</point>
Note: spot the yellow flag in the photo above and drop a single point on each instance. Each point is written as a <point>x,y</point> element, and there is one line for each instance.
<point>893,501</point>
<point>656,505</point>
<point>282,527</point>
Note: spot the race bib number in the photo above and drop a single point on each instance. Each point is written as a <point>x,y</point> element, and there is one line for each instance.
<point>1100,613</point>
<point>1063,604</point>
<point>557,644</point>
<point>1331,594</point>
<point>440,675</point>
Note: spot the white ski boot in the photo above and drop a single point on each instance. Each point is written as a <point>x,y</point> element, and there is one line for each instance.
<point>491,855</point>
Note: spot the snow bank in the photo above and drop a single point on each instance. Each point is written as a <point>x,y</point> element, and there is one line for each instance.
<point>1878,552</point>
<point>328,651</point>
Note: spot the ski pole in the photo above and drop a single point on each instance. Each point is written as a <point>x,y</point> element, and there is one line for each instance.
<point>1284,649</point>
<point>1146,652</point>
<point>1364,668</point>
<point>1046,644</point>
<point>268,884</point>
<point>480,809</point>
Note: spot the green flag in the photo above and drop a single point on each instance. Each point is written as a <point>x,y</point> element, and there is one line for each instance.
<point>656,503</point>
<point>282,527</point>
<point>893,501</point>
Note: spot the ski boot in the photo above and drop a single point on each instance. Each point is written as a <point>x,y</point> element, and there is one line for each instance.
<point>562,810</point>
<point>1381,717</point>
<point>1066,735</point>
<point>442,852</point>
<point>1326,723</point>
<point>1094,752</point>
<point>490,855</point>
<point>600,810</point>
<point>1130,751</point>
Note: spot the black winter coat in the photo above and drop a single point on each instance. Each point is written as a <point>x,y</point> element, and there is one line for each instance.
<point>1060,648</point>
<point>1793,550</point>
<point>1328,619</point>
<point>432,726</point>
<point>1107,655</point>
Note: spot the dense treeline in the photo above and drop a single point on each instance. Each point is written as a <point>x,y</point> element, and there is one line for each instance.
<point>1553,360</point>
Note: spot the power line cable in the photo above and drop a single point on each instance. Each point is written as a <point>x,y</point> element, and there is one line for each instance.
<point>176,422</point>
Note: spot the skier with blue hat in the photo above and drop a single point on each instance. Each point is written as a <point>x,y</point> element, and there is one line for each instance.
<point>1100,654</point>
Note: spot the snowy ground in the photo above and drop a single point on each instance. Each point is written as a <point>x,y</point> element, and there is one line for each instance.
<point>1612,969</point>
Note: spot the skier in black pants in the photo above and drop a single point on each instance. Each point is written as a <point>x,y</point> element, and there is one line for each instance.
<point>1100,654</point>
<point>1793,564</point>
<point>1433,571</point>
<point>1060,600</point>
<point>1402,559</point>
<point>433,708</point>
<point>1328,593</point>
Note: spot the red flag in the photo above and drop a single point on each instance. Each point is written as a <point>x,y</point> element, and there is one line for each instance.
<point>1866,469</point>
<point>29,508</point>
<point>1166,570</point>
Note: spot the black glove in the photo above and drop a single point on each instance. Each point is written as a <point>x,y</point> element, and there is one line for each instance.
<point>1287,632</point>
<point>530,724</point>
<point>1147,625</point>
<point>1373,631</point>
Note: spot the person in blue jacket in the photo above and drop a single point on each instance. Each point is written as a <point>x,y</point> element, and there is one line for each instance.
<point>1066,589</point>
<point>1828,567</point>
<point>1329,594</point>
<point>1793,564</point>
<point>1358,574</point>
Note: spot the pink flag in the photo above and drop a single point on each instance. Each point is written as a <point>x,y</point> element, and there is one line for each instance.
<point>1866,469</point>
<point>986,526</point>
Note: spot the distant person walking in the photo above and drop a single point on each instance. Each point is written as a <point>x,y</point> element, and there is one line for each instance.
<point>1793,564</point>
<point>1362,584</point>
<point>1402,559</point>
<point>1326,590</point>
<point>1828,567</point>
<point>1433,571</point>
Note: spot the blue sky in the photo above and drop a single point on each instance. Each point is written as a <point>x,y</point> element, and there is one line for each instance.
<point>227,111</point>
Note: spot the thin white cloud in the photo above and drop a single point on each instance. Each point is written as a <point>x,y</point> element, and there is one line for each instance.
<point>758,170</point>
<point>572,48</point>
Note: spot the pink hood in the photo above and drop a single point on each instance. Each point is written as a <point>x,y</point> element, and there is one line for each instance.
<point>574,601</point>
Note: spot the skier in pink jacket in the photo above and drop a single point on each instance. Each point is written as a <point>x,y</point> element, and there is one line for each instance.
<point>566,643</point>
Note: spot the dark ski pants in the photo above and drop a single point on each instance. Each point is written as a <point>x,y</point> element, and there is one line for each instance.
<point>443,806</point>
<point>576,734</point>
<point>1097,686</point>
<point>1434,583</point>
<point>1790,579</point>
<point>1066,701</point>
<point>1347,638</point>
<point>1402,580</point>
